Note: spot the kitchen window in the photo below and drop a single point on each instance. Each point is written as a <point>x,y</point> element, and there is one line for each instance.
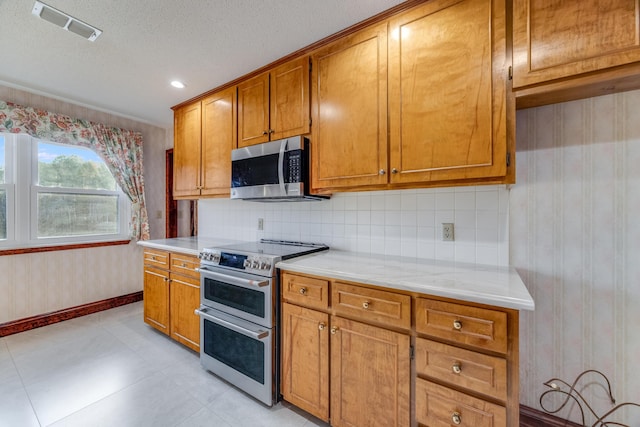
<point>57,194</point>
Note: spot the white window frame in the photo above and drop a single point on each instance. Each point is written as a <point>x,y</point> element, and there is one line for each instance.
<point>9,187</point>
<point>24,222</point>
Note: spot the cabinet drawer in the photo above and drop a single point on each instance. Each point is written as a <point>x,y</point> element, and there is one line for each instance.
<point>185,264</point>
<point>372,305</point>
<point>473,371</point>
<point>305,291</point>
<point>478,327</point>
<point>156,258</point>
<point>441,406</point>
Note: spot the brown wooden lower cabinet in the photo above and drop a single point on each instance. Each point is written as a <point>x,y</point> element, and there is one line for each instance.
<point>305,359</point>
<point>370,367</point>
<point>184,298</point>
<point>171,294</point>
<point>156,298</point>
<point>370,372</point>
<point>343,362</point>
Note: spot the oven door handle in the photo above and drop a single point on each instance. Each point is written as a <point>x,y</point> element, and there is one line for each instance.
<point>258,335</point>
<point>232,279</point>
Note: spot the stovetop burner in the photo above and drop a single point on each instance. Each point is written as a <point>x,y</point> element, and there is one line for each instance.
<point>278,248</point>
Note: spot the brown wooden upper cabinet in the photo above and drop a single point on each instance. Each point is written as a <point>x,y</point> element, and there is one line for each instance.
<point>349,111</point>
<point>443,68</point>
<point>448,74</point>
<point>204,135</point>
<point>574,49</point>
<point>187,139</point>
<point>275,104</point>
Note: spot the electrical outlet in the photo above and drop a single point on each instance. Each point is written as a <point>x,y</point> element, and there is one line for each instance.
<point>260,224</point>
<point>447,231</point>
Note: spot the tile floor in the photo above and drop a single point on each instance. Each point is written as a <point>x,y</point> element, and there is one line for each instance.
<point>110,369</point>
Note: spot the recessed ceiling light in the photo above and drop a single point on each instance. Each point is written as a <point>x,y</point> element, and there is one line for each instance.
<point>65,21</point>
<point>178,84</point>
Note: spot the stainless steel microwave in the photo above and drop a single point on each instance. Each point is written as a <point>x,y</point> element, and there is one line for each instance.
<point>272,172</point>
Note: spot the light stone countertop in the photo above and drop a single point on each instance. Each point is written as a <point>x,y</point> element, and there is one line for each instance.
<point>185,245</point>
<point>483,284</point>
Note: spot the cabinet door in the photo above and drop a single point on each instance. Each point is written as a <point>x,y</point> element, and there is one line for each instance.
<point>290,109</point>
<point>184,299</point>
<point>305,359</point>
<point>447,92</point>
<point>558,39</point>
<point>370,375</point>
<point>219,135</point>
<point>156,298</point>
<point>186,151</point>
<point>349,111</point>
<point>253,111</point>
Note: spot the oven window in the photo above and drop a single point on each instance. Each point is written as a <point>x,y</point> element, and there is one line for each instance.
<point>240,352</point>
<point>246,300</point>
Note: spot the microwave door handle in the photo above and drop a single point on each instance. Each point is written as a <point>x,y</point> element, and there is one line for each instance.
<point>232,279</point>
<point>283,147</point>
<point>258,335</point>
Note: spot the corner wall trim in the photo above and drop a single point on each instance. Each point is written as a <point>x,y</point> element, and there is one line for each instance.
<point>530,417</point>
<point>21,325</point>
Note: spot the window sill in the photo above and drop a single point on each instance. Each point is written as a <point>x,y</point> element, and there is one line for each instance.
<point>62,247</point>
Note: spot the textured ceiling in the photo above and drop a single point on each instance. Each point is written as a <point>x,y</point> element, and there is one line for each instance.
<point>147,43</point>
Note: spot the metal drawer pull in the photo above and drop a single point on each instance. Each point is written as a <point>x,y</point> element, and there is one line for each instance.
<point>334,330</point>
<point>321,326</point>
<point>456,418</point>
<point>457,325</point>
<point>365,305</point>
<point>303,291</point>
<point>456,368</point>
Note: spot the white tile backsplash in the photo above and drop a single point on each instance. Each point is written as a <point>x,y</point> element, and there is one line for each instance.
<point>395,222</point>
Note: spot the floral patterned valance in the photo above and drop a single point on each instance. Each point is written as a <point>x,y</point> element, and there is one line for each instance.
<point>120,149</point>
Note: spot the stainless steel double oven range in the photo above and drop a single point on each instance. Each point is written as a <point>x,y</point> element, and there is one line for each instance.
<point>239,313</point>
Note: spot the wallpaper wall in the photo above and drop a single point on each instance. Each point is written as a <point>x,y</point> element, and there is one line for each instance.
<point>38,283</point>
<point>575,240</point>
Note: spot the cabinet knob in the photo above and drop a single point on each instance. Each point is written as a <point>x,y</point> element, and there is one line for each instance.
<point>365,305</point>
<point>265,133</point>
<point>394,170</point>
<point>382,172</point>
<point>303,291</point>
<point>456,418</point>
<point>183,265</point>
<point>456,368</point>
<point>321,326</point>
<point>166,279</point>
<point>271,131</point>
<point>153,258</point>
<point>457,325</point>
<point>334,329</point>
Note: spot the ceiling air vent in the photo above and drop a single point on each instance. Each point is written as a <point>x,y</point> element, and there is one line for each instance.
<point>65,21</point>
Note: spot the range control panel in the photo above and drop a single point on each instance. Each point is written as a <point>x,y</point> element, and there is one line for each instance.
<point>257,264</point>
